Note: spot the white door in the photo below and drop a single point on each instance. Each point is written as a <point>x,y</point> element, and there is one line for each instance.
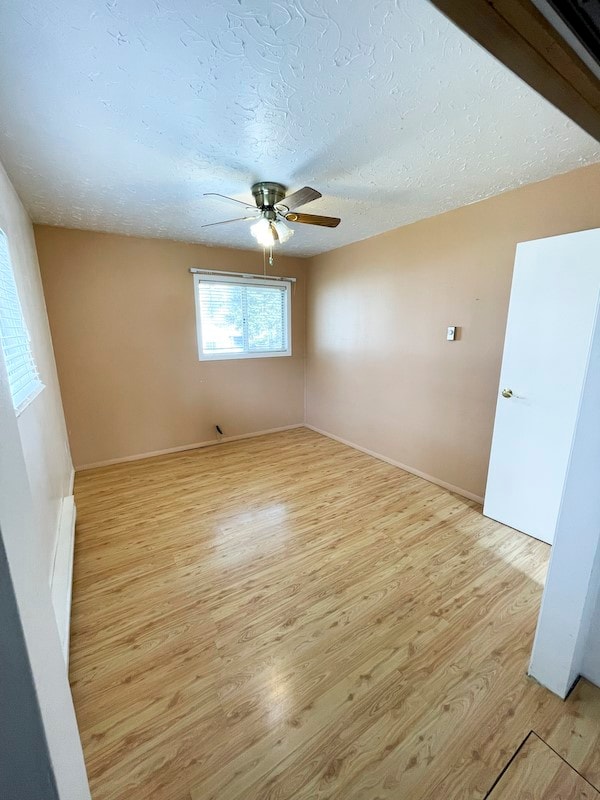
<point>551,319</point>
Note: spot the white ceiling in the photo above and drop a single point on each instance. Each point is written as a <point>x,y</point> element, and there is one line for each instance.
<point>118,115</point>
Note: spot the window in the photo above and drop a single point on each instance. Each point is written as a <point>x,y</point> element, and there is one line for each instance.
<point>239,317</point>
<point>23,378</point>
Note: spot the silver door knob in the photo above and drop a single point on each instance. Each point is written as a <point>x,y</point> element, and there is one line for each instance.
<point>507,393</point>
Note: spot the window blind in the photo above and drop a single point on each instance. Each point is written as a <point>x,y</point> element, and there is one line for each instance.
<point>222,315</point>
<point>241,319</point>
<point>23,377</point>
<point>266,312</point>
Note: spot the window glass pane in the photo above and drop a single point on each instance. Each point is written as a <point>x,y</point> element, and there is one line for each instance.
<point>22,372</point>
<point>242,317</point>
<point>222,317</point>
<point>266,307</point>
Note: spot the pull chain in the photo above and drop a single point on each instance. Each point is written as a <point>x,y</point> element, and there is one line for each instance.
<point>265,259</point>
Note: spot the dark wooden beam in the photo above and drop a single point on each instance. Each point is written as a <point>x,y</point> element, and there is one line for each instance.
<point>519,36</point>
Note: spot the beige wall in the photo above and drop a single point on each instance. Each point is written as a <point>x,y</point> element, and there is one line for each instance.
<point>380,373</point>
<point>41,425</point>
<point>123,323</point>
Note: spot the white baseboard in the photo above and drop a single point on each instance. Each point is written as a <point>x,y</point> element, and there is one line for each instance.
<point>394,463</point>
<point>181,448</point>
<point>61,583</point>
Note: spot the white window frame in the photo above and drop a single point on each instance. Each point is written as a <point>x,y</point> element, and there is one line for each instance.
<point>35,385</point>
<point>244,281</point>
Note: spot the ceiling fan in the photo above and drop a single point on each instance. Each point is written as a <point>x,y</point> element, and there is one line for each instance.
<point>273,209</point>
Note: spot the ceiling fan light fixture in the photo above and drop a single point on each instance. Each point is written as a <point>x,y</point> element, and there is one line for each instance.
<point>263,232</point>
<point>284,232</point>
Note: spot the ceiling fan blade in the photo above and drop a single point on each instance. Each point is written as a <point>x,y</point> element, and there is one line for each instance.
<point>224,198</point>
<point>300,198</point>
<point>313,219</point>
<point>225,221</point>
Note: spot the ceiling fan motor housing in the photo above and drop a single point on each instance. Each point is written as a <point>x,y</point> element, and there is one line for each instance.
<point>267,194</point>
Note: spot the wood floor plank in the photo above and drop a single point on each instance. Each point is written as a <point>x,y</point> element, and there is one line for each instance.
<point>286,617</point>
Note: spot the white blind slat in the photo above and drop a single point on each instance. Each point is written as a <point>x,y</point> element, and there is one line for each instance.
<point>23,377</point>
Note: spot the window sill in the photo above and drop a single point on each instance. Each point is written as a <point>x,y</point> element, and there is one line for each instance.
<point>27,402</point>
<point>242,356</point>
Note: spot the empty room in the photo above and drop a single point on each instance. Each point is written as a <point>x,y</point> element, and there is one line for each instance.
<point>299,379</point>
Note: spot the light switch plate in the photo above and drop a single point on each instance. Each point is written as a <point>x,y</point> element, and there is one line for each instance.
<point>451,334</point>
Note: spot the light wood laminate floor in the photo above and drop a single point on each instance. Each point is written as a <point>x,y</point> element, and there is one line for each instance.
<point>538,773</point>
<point>286,617</point>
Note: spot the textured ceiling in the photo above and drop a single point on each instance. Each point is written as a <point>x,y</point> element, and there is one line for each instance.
<point>118,115</point>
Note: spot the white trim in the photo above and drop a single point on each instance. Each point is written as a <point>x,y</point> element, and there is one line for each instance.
<point>253,275</point>
<point>241,356</point>
<point>61,582</point>
<point>69,493</point>
<point>449,486</point>
<point>182,448</point>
